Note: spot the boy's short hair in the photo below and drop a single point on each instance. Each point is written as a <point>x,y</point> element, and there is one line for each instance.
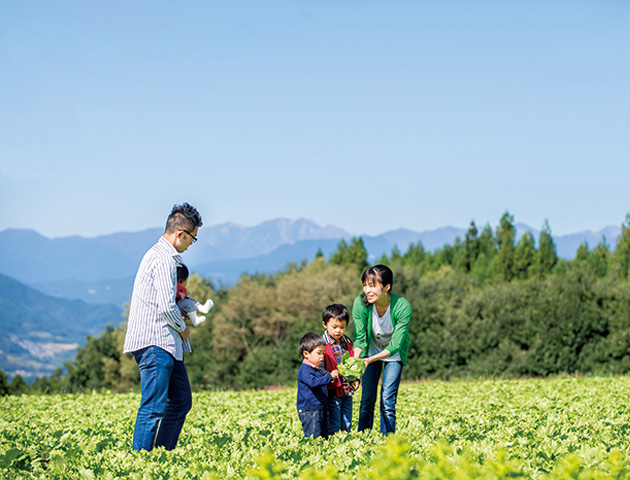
<point>336,310</point>
<point>310,342</point>
<point>182,272</point>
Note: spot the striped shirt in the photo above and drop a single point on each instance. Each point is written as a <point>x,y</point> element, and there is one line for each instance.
<point>154,318</point>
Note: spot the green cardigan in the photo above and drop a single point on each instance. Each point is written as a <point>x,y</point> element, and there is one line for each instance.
<point>401,314</point>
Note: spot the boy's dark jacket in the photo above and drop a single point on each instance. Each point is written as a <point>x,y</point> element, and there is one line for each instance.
<point>331,364</point>
<point>312,392</point>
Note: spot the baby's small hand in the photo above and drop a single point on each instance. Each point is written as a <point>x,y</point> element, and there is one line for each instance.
<point>335,374</point>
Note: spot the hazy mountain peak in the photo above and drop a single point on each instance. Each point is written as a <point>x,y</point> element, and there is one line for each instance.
<point>101,269</point>
<point>228,226</point>
<point>18,233</point>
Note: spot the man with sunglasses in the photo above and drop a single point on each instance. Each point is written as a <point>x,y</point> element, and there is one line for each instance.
<point>157,335</point>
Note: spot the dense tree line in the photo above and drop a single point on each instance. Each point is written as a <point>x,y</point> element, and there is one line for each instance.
<point>487,305</point>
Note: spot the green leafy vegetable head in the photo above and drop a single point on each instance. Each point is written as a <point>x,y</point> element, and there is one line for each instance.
<point>351,368</point>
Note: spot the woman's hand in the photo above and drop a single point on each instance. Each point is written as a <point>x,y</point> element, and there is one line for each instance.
<point>375,358</point>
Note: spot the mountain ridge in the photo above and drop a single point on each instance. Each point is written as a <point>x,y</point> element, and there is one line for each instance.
<point>100,270</point>
<point>82,283</point>
<point>42,331</point>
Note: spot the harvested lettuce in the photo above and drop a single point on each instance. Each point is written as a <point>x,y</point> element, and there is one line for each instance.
<point>351,368</point>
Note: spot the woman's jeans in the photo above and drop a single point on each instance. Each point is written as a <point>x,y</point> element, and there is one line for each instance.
<point>389,392</point>
<point>339,413</point>
<point>166,399</point>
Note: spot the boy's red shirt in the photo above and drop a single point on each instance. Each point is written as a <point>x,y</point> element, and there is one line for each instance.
<point>331,364</point>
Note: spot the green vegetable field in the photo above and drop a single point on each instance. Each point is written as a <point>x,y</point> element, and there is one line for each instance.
<point>566,428</point>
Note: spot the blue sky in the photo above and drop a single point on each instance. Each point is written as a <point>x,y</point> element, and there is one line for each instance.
<point>367,115</point>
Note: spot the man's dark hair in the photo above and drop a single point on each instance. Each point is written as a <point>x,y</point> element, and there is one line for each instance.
<point>182,272</point>
<point>336,310</point>
<point>310,342</point>
<point>183,217</point>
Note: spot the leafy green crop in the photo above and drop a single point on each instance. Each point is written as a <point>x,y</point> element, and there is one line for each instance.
<point>351,368</point>
<point>540,429</point>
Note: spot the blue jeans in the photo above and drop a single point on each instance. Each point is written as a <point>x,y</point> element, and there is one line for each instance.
<point>313,423</point>
<point>389,392</point>
<point>339,413</point>
<point>166,399</point>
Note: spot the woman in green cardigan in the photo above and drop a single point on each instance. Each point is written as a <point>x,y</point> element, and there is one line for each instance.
<point>381,338</point>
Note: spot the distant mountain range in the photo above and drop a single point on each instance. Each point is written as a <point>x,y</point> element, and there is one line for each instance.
<point>55,292</point>
<point>100,270</point>
<point>40,332</point>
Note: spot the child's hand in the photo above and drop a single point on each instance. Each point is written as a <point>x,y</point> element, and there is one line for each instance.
<point>335,374</point>
<point>355,385</point>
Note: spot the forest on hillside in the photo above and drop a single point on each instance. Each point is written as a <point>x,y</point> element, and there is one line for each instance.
<point>489,305</point>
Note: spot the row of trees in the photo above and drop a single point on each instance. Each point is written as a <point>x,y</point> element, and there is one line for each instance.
<point>487,305</point>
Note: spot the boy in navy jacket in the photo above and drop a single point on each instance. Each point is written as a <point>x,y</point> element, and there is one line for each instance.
<point>312,392</point>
